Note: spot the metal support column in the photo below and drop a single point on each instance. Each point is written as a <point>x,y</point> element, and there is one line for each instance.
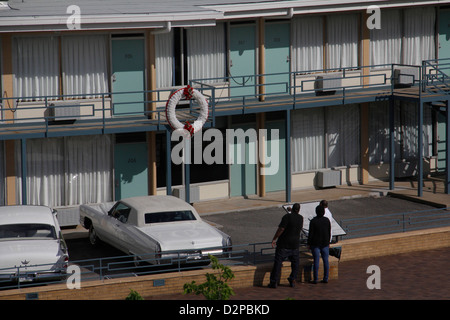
<point>24,170</point>
<point>391,143</point>
<point>187,169</point>
<point>447,150</point>
<point>168,162</point>
<point>420,146</point>
<point>288,156</point>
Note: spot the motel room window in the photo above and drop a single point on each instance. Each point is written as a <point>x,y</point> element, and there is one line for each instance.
<point>53,65</point>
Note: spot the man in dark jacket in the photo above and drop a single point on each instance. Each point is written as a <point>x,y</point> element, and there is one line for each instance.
<point>319,242</point>
<point>287,245</point>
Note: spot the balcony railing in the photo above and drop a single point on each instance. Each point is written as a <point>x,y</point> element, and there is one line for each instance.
<point>60,115</point>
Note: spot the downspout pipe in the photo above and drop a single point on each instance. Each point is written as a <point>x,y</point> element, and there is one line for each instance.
<point>166,29</point>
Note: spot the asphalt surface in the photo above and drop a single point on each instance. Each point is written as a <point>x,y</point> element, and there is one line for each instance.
<point>259,225</point>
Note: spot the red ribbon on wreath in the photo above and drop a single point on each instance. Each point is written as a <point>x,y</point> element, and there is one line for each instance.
<point>189,127</point>
<point>188,92</point>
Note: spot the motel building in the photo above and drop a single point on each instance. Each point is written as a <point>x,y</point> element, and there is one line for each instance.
<point>349,92</point>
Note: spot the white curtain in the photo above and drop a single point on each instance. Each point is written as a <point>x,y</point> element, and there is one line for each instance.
<point>343,135</point>
<point>342,41</point>
<point>45,172</point>
<point>67,171</point>
<point>308,132</point>
<point>386,43</point>
<point>84,65</point>
<point>206,52</point>
<point>35,67</point>
<point>307,43</point>
<point>419,35</point>
<point>89,168</point>
<point>164,59</point>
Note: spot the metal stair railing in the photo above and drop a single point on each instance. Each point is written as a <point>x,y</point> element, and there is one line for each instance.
<point>434,78</point>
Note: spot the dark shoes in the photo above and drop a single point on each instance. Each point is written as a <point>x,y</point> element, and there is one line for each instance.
<point>291,283</point>
<point>315,281</point>
<point>274,286</point>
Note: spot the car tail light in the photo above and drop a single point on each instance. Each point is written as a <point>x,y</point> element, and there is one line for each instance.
<point>158,254</point>
<point>228,246</point>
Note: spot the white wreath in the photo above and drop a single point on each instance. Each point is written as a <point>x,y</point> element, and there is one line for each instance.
<point>188,92</point>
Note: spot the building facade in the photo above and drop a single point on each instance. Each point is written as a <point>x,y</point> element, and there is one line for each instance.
<point>353,94</point>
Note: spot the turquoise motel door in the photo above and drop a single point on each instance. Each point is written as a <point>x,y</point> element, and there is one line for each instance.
<point>130,167</point>
<point>243,169</point>
<point>242,63</point>
<point>276,181</point>
<point>444,35</point>
<point>128,75</point>
<point>277,57</point>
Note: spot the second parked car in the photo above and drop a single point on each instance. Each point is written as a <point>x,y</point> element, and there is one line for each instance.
<point>154,228</point>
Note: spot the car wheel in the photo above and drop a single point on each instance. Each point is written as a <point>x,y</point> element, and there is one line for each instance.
<point>93,238</point>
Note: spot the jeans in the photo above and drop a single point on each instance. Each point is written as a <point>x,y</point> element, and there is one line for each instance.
<point>282,254</point>
<point>324,252</point>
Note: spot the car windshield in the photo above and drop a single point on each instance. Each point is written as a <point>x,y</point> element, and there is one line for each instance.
<point>27,231</point>
<point>169,216</point>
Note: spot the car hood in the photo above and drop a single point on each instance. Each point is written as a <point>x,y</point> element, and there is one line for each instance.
<point>184,235</point>
<point>15,253</point>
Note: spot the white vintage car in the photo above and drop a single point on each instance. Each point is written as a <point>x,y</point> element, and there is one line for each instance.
<point>154,229</point>
<point>31,244</point>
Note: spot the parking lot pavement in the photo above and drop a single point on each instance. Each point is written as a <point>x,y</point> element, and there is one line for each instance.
<point>259,225</point>
<point>420,275</point>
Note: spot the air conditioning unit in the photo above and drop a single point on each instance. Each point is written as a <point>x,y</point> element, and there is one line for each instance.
<point>194,194</point>
<point>65,111</point>
<point>405,76</point>
<point>328,178</point>
<point>328,83</point>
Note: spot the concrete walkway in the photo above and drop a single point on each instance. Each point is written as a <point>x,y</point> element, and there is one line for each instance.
<point>433,194</point>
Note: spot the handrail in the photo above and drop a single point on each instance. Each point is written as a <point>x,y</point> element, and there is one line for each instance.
<point>28,113</point>
<point>395,222</point>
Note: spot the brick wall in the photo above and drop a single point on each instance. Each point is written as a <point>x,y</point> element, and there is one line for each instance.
<point>389,244</point>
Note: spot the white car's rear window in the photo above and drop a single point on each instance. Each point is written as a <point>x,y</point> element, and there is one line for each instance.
<point>170,216</point>
<point>27,230</point>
